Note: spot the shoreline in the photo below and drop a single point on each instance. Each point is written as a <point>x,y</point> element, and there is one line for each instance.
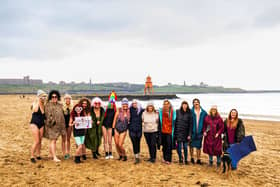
<point>256,117</point>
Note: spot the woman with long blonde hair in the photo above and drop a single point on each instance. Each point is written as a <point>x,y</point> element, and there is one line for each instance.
<point>67,109</point>
<point>37,124</point>
<point>120,124</point>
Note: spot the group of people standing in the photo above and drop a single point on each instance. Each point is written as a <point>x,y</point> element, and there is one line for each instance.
<point>167,128</point>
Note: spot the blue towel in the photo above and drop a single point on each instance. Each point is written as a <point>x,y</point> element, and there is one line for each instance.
<point>242,149</point>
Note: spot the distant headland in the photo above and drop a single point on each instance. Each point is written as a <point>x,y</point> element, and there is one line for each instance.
<point>30,86</point>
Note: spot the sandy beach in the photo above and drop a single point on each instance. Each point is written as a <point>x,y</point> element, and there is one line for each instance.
<point>261,168</point>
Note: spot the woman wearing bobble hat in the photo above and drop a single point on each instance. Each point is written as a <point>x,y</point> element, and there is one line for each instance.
<point>94,134</point>
<point>150,122</point>
<point>213,127</point>
<point>37,123</point>
<point>135,128</point>
<point>120,125</point>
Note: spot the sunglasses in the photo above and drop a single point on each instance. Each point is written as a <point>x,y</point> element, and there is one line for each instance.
<point>79,109</point>
<point>97,103</point>
<point>54,96</point>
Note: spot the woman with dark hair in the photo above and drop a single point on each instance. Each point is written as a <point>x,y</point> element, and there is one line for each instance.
<point>54,122</point>
<point>234,130</point>
<point>79,134</point>
<point>120,124</point>
<point>37,124</point>
<point>107,127</point>
<point>167,117</point>
<point>94,134</point>
<point>135,128</point>
<point>67,109</point>
<point>150,124</point>
<point>199,115</point>
<point>85,103</point>
<point>183,130</point>
<point>213,127</point>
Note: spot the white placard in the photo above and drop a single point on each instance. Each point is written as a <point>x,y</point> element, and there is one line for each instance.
<point>83,122</point>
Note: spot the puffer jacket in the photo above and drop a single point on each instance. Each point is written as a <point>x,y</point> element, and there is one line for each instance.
<point>183,125</point>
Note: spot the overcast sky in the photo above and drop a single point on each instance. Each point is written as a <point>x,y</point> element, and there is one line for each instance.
<point>233,43</point>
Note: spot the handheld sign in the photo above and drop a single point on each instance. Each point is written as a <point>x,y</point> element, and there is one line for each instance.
<point>83,122</point>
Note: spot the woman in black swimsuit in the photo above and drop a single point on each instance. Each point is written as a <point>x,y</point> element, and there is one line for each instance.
<point>37,124</point>
<point>107,128</point>
<point>120,125</point>
<point>67,109</point>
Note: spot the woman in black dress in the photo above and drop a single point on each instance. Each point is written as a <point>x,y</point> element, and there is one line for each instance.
<point>37,124</point>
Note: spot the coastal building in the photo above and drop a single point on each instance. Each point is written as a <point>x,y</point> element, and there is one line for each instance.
<point>25,81</point>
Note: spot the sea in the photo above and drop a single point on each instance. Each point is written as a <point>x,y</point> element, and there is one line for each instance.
<point>256,106</point>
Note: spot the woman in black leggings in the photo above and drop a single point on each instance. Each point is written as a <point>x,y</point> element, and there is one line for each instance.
<point>135,128</point>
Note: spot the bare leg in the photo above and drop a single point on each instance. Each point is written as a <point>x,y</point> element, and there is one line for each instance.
<point>116,138</point>
<point>191,152</point>
<point>36,136</point>
<point>53,150</point>
<point>198,153</point>
<point>41,131</point>
<point>63,142</point>
<point>84,149</point>
<point>121,142</point>
<point>69,133</point>
<point>79,150</point>
<point>109,133</point>
<point>105,139</point>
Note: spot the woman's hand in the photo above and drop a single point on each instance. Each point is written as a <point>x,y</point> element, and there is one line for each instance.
<point>216,136</point>
<point>98,122</point>
<point>204,134</point>
<point>189,137</point>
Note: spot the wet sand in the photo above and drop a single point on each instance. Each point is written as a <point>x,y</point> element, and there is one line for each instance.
<point>261,168</point>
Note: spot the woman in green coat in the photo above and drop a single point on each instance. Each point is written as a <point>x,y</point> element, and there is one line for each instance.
<point>94,134</point>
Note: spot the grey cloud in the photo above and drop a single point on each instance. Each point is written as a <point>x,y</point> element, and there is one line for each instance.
<point>28,26</point>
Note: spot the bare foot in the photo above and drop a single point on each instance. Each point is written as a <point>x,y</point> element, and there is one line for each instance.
<point>168,163</point>
<point>56,160</point>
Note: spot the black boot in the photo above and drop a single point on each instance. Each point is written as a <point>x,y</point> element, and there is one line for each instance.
<point>84,157</point>
<point>120,158</point>
<point>124,158</point>
<point>192,160</point>
<point>77,160</point>
<point>97,153</point>
<point>94,156</point>
<point>199,162</point>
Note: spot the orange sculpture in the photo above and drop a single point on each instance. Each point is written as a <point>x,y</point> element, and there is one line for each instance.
<point>148,85</point>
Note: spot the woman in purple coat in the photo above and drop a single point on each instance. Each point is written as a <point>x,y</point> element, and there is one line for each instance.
<point>213,127</point>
